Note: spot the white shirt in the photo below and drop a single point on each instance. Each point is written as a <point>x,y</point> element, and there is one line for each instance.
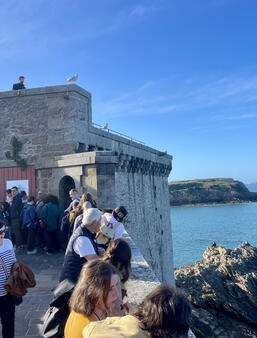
<point>8,256</point>
<point>110,219</point>
<point>83,246</point>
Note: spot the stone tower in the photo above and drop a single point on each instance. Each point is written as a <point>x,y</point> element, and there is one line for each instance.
<point>63,150</point>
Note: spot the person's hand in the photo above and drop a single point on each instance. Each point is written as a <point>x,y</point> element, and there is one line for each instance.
<point>101,252</point>
<point>129,307</point>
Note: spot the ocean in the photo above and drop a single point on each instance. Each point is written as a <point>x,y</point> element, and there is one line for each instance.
<point>194,228</point>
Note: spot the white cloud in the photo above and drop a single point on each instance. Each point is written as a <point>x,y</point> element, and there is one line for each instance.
<point>136,103</point>
<point>140,11</point>
<point>243,116</point>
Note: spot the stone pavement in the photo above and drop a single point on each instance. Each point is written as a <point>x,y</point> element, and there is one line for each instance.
<point>29,315</point>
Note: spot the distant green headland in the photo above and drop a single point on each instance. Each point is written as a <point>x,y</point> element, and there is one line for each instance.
<point>209,191</point>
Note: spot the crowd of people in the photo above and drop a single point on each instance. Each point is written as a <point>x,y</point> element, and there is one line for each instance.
<point>32,223</point>
<point>89,300</point>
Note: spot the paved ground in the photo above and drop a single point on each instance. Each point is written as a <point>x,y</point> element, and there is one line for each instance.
<point>29,315</point>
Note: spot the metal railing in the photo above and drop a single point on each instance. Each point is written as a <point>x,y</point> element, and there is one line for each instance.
<point>116,133</point>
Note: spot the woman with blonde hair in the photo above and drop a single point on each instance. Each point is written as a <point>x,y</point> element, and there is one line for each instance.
<point>93,298</point>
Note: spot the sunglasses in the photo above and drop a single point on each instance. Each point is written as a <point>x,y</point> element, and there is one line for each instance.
<point>3,231</point>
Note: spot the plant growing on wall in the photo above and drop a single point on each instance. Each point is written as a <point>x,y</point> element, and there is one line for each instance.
<point>15,154</point>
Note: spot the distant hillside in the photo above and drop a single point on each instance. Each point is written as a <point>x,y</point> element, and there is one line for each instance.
<point>207,191</point>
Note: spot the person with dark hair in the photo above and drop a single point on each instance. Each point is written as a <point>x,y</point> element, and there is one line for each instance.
<point>111,227</point>
<point>164,313</point>
<point>29,224</point>
<point>5,217</point>
<point>24,197</point>
<point>93,298</point>
<point>118,254</point>
<point>50,214</point>
<point>20,84</point>
<point>65,228</point>
<point>115,217</point>
<point>7,306</point>
<point>15,211</point>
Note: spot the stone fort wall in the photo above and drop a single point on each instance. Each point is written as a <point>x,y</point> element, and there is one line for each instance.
<point>55,127</point>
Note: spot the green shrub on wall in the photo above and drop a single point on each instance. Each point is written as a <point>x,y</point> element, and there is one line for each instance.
<point>15,154</point>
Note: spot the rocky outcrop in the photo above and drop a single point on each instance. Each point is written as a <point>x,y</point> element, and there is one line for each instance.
<point>207,191</point>
<point>223,292</point>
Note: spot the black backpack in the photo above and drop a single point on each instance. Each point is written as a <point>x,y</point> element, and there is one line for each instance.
<point>65,224</point>
<point>56,316</point>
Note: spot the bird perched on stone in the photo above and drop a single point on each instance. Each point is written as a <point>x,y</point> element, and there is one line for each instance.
<point>73,78</point>
<point>105,126</point>
<point>213,245</point>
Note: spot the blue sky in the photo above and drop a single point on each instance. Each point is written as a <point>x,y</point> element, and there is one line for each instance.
<point>179,75</point>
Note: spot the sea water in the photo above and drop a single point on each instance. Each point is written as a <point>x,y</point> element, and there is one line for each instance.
<point>194,228</point>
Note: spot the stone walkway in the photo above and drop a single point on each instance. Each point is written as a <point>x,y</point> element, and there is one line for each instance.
<point>29,315</point>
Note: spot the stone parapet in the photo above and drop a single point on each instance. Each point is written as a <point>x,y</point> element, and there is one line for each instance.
<point>61,89</point>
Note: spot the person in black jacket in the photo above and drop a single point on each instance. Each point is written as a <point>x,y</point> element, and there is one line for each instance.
<point>15,210</point>
<point>20,84</point>
<point>82,246</point>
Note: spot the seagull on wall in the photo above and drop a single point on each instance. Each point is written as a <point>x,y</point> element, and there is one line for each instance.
<point>73,78</point>
<point>105,126</point>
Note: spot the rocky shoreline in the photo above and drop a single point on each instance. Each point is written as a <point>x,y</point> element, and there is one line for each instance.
<point>223,292</point>
<point>209,192</point>
<point>212,204</point>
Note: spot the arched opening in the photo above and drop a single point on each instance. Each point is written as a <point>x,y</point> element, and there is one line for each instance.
<point>66,184</point>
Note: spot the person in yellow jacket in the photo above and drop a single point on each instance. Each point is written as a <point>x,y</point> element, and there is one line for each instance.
<point>93,298</point>
<point>164,313</point>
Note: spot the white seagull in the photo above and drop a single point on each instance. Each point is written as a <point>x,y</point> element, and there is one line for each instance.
<point>105,126</point>
<point>73,78</point>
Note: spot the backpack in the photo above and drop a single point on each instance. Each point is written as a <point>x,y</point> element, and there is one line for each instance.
<point>56,316</point>
<point>65,224</point>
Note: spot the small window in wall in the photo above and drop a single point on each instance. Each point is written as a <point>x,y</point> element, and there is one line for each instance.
<point>91,147</point>
<point>81,147</point>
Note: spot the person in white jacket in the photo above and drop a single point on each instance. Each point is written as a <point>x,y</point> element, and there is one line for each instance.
<point>114,216</point>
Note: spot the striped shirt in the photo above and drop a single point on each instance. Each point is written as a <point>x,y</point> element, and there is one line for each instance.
<point>8,256</point>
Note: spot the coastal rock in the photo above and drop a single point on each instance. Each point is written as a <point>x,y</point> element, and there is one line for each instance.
<point>209,191</point>
<point>223,292</point>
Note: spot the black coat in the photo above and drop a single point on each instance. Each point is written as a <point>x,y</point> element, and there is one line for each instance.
<point>18,86</point>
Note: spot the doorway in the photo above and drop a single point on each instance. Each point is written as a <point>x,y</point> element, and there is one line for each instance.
<point>66,184</point>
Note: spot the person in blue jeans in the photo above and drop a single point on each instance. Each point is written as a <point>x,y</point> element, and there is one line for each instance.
<point>29,224</point>
<point>50,214</point>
